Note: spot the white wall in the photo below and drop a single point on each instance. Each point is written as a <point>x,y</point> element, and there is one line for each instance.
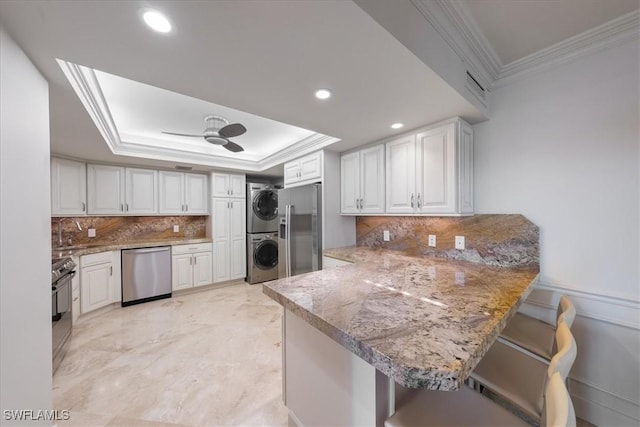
<point>562,148</point>
<point>25,248</point>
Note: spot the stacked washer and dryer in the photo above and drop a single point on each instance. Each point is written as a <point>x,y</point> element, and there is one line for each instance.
<point>262,233</point>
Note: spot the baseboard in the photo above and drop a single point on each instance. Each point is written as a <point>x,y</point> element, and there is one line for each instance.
<point>601,407</point>
<point>606,329</point>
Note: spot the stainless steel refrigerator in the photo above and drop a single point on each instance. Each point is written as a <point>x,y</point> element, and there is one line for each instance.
<point>300,236</point>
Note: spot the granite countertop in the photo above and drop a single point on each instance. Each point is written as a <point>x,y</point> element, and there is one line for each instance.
<point>425,322</point>
<point>87,249</point>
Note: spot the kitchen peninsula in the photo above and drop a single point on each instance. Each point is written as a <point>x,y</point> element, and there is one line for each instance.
<point>356,337</point>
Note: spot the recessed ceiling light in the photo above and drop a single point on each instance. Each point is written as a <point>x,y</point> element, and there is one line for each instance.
<point>396,125</point>
<point>156,21</point>
<point>323,94</point>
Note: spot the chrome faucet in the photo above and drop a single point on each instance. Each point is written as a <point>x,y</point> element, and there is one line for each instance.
<point>60,243</point>
<point>60,233</point>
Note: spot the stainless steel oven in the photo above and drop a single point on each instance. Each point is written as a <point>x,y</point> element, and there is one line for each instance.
<point>61,275</point>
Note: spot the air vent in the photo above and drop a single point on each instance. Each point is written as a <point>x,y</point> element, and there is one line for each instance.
<point>475,87</point>
<point>183,168</point>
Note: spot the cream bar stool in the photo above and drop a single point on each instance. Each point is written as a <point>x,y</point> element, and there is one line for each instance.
<point>468,408</point>
<point>518,378</point>
<point>535,335</point>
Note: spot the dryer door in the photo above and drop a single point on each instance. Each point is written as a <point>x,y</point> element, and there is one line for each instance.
<point>265,255</point>
<point>265,205</point>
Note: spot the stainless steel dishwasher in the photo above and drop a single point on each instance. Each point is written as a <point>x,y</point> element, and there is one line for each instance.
<point>146,274</point>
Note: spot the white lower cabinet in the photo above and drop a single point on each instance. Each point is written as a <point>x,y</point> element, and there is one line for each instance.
<point>99,280</point>
<point>190,266</point>
<point>228,224</point>
<point>75,294</point>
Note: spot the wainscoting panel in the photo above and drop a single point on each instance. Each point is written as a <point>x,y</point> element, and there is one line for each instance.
<point>605,379</point>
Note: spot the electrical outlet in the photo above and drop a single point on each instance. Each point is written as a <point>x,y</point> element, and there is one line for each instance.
<point>460,242</point>
<point>91,232</point>
<point>460,278</point>
<point>432,240</point>
<point>176,228</point>
<point>385,236</point>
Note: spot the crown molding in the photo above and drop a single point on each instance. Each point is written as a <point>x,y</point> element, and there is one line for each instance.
<point>87,88</point>
<point>449,25</point>
<point>452,20</point>
<point>612,33</point>
<point>85,84</point>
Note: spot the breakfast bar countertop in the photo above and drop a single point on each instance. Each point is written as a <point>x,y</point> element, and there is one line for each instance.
<point>425,322</point>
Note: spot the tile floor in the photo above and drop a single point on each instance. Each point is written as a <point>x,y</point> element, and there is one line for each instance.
<point>210,358</point>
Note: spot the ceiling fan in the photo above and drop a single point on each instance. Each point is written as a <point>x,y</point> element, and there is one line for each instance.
<point>218,132</point>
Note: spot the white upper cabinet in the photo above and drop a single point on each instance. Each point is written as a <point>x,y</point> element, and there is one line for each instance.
<point>183,193</point>
<point>362,181</point>
<point>106,189</point>
<point>228,185</point>
<point>68,187</point>
<point>171,193</point>
<point>302,171</point>
<point>196,196</point>
<point>141,191</point>
<point>431,172</point>
<point>114,190</point>
<point>401,175</point>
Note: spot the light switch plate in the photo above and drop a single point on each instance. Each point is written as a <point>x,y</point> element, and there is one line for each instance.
<point>176,228</point>
<point>460,242</point>
<point>385,236</point>
<point>432,240</point>
<point>91,232</point>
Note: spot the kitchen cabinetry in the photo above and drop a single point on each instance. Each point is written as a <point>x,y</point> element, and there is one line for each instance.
<point>183,193</point>
<point>99,280</point>
<point>228,224</point>
<point>117,190</point>
<point>302,171</point>
<point>68,187</point>
<point>75,293</point>
<point>362,181</point>
<point>228,185</point>
<point>431,172</point>
<point>190,265</point>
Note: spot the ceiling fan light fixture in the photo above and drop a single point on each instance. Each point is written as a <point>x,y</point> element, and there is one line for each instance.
<point>156,21</point>
<point>323,94</point>
<point>215,140</point>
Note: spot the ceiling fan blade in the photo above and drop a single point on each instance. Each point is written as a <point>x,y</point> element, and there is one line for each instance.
<point>182,134</point>
<point>233,147</point>
<point>234,129</point>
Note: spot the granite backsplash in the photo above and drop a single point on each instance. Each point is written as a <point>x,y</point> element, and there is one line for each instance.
<point>496,240</point>
<point>118,229</point>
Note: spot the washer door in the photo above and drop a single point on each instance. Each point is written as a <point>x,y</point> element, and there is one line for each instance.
<point>265,205</point>
<point>265,255</point>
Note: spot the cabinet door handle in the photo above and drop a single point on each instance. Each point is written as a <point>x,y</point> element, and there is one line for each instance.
<point>126,207</point>
<point>419,203</point>
<point>186,208</point>
<point>110,270</point>
<point>121,207</point>
<point>84,206</point>
<point>412,202</point>
<point>232,191</point>
<point>195,260</point>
